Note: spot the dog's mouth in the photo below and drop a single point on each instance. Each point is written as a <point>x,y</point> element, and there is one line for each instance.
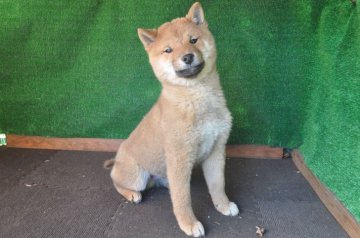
<point>191,72</point>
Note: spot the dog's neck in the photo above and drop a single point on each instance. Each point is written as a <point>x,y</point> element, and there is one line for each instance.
<point>210,82</point>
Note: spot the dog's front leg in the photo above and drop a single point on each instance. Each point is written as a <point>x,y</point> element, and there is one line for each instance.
<point>179,168</point>
<point>213,168</point>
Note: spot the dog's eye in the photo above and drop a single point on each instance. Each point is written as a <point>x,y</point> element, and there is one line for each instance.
<point>193,40</point>
<point>168,50</point>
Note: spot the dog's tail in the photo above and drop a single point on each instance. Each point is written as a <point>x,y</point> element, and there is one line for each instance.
<point>108,164</point>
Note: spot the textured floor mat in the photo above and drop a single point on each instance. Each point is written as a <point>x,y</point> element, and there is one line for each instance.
<point>17,163</point>
<point>69,194</point>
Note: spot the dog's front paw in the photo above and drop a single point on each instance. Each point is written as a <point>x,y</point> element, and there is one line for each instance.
<point>196,229</point>
<point>229,209</point>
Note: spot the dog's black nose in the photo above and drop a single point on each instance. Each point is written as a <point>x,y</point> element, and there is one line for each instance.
<point>188,58</point>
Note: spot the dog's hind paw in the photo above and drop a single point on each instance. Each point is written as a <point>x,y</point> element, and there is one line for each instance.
<point>136,197</point>
<point>131,196</point>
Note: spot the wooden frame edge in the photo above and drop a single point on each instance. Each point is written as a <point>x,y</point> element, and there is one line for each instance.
<point>254,151</point>
<point>336,208</point>
<point>55,143</point>
<point>111,145</point>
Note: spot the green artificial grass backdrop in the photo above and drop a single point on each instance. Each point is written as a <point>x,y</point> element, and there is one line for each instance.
<point>290,71</point>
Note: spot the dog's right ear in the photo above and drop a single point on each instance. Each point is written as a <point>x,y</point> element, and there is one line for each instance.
<point>147,36</point>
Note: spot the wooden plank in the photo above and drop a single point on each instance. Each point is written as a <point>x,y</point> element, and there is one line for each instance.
<point>87,144</point>
<point>111,145</point>
<point>254,151</point>
<point>336,208</point>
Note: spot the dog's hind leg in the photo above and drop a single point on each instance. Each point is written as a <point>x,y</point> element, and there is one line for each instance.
<point>129,179</point>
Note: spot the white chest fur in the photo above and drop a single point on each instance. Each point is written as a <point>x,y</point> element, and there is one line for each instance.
<point>213,121</point>
<point>209,135</point>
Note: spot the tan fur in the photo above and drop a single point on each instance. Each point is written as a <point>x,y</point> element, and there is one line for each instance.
<point>188,125</point>
<point>108,164</point>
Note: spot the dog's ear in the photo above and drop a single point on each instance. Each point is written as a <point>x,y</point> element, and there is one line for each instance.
<point>196,14</point>
<point>147,36</point>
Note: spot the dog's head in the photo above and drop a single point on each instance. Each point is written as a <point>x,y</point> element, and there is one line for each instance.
<point>182,51</point>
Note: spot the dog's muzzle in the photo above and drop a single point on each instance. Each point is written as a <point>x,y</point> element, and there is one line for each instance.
<point>190,72</point>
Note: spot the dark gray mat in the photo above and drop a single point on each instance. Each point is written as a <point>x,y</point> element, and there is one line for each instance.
<point>68,194</point>
<point>17,163</point>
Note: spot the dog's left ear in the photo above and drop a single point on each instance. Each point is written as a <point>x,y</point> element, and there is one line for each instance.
<point>196,14</point>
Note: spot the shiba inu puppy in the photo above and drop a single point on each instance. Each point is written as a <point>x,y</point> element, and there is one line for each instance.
<point>188,125</point>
